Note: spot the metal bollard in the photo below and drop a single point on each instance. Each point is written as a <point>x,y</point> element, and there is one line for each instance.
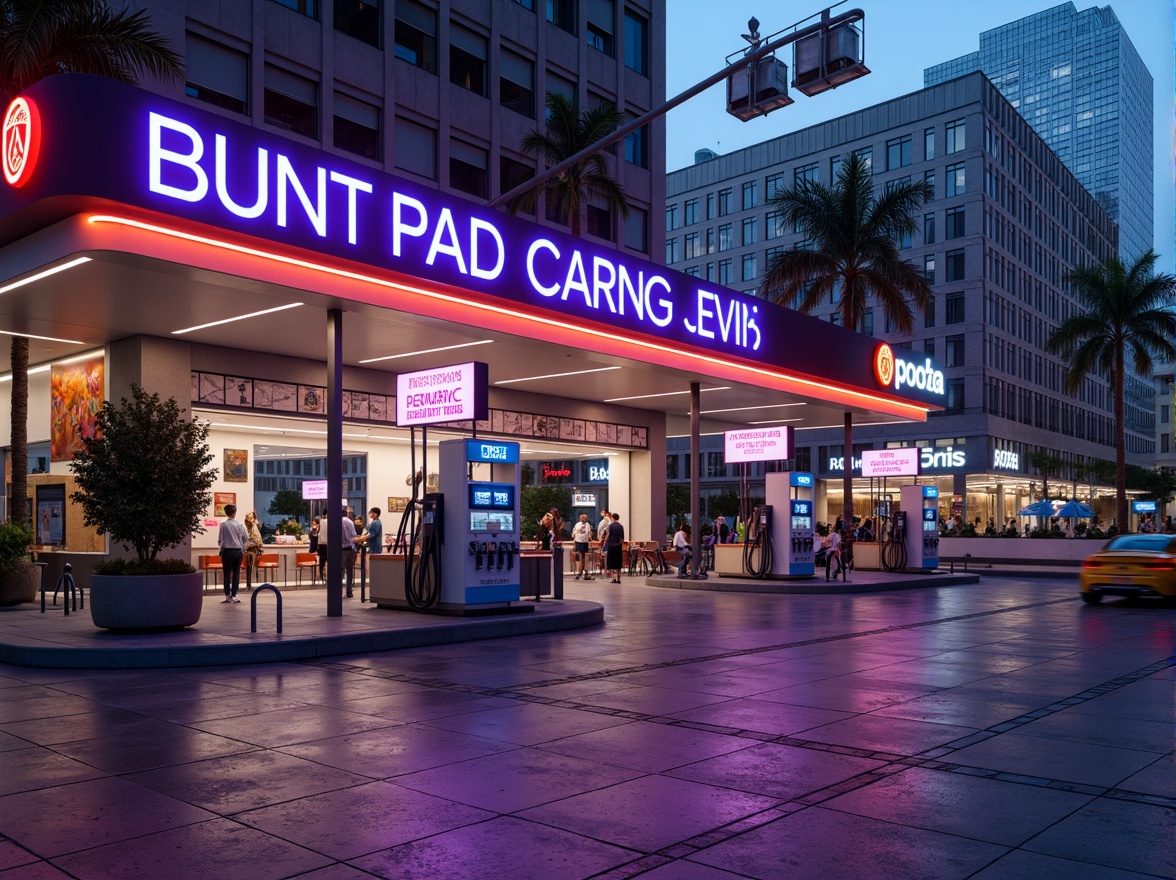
<point>65,584</point>
<point>253,606</point>
<point>557,571</point>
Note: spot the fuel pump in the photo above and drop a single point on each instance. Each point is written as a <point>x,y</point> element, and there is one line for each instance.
<point>757,543</point>
<point>422,575</point>
<point>894,555</point>
<point>790,495</point>
<point>922,534</point>
<point>480,479</point>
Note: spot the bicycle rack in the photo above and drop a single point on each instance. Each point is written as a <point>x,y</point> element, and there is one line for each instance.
<point>253,606</point>
<point>65,584</point>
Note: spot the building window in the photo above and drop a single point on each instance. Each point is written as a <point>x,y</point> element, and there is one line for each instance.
<point>416,148</point>
<point>868,322</point>
<point>359,19</point>
<point>929,314</point>
<point>357,127</point>
<point>898,153</point>
<point>671,467</point>
<point>929,271</point>
<point>516,83</point>
<point>955,137</point>
<point>750,267</point>
<point>710,241</point>
<point>724,271</point>
<point>636,231</point>
<point>635,149</point>
<point>955,396</point>
<point>954,351</point>
<point>773,183</point>
<point>954,312</point>
<point>928,229</point>
<point>416,35</point>
<point>693,250</point>
<point>1164,443</point>
<point>691,212</point>
<point>955,179</point>
<point>309,8</point>
<point>512,173</point>
<point>562,14</point>
<point>217,75</point>
<point>671,218</point>
<point>750,190</point>
<point>467,168</point>
<point>903,239</point>
<point>867,155</point>
<point>467,59</point>
<point>749,230</point>
<point>954,265</point>
<point>636,43</point>
<point>834,168</point>
<point>601,23</point>
<point>953,226</point>
<point>726,201</point>
<point>810,173</point>
<point>599,222</point>
<point>929,143</point>
<point>929,179</point>
<point>671,250</point>
<point>726,239</point>
<point>291,102</point>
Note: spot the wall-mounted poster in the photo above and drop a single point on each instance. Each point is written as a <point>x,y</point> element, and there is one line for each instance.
<point>76,394</point>
<point>220,499</point>
<point>238,391</point>
<point>397,503</point>
<point>312,399</point>
<point>51,514</point>
<point>236,469</point>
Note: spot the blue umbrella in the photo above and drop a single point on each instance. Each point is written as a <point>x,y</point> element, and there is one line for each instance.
<point>1038,508</point>
<point>1074,509</point>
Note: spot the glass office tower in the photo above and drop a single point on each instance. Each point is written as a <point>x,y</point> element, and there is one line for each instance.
<point>1077,80</point>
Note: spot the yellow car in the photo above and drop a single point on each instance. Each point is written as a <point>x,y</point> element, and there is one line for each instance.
<point>1130,565</point>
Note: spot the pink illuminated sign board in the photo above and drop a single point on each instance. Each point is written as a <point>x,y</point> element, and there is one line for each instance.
<point>890,462</point>
<point>759,444</point>
<point>456,393</point>
<point>314,490</point>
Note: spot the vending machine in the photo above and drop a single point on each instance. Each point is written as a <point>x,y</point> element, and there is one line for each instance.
<point>921,504</point>
<point>791,494</point>
<point>480,482</point>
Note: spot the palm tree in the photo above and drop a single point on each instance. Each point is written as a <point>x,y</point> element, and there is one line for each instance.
<point>852,235</point>
<point>1124,312</point>
<point>569,132</point>
<point>39,38</point>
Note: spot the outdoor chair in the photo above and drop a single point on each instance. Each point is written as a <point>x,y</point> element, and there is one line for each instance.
<point>306,562</point>
<point>267,563</point>
<point>211,564</point>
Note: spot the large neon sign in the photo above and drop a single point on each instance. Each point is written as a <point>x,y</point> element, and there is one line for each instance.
<point>227,182</point>
<point>21,140</point>
<point>892,369</point>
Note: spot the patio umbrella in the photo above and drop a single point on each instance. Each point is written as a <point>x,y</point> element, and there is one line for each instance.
<point>1043,507</point>
<point>1074,509</point>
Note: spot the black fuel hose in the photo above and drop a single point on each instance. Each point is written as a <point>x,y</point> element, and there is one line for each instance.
<point>762,567</point>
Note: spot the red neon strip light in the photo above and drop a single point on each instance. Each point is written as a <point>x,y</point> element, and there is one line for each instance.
<point>917,412</point>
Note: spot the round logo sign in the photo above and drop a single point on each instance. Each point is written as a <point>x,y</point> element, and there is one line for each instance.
<point>21,140</point>
<point>884,365</point>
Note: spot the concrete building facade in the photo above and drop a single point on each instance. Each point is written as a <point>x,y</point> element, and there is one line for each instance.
<point>1007,221</point>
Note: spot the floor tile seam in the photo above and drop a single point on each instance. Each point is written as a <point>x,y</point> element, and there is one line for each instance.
<point>1093,791</point>
<point>631,670</point>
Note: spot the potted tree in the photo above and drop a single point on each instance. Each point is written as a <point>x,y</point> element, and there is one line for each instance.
<point>144,479</point>
<point>19,578</point>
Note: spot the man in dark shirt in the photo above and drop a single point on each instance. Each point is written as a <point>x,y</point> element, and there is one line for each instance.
<point>616,541</point>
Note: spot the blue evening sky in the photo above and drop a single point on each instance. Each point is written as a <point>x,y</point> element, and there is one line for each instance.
<point>902,38</point>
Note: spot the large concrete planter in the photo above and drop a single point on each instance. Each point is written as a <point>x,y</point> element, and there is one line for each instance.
<point>146,602</point>
<point>20,585</point>
<point>1027,551</point>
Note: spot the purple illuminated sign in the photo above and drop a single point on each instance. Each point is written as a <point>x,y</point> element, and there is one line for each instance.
<point>109,144</point>
<point>455,393</point>
<point>758,444</point>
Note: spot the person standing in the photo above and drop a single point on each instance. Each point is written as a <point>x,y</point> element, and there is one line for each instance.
<point>581,538</point>
<point>347,540</point>
<point>232,539</point>
<point>616,541</point>
<point>323,544</point>
<point>373,536</point>
<point>252,548</point>
<point>312,539</point>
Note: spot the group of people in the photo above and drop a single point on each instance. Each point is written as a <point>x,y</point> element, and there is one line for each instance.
<point>609,532</point>
<point>241,542</point>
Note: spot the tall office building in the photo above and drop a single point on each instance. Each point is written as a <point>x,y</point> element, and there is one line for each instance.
<point>440,91</point>
<point>1006,222</point>
<point>1077,79</point>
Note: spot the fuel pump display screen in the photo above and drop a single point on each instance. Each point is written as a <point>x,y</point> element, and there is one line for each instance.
<point>491,521</point>
<point>930,519</point>
<point>802,515</point>
<point>492,496</point>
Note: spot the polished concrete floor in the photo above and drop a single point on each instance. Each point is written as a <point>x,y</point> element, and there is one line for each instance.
<point>994,731</point>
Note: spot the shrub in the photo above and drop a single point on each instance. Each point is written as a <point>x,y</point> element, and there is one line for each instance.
<point>15,539</point>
